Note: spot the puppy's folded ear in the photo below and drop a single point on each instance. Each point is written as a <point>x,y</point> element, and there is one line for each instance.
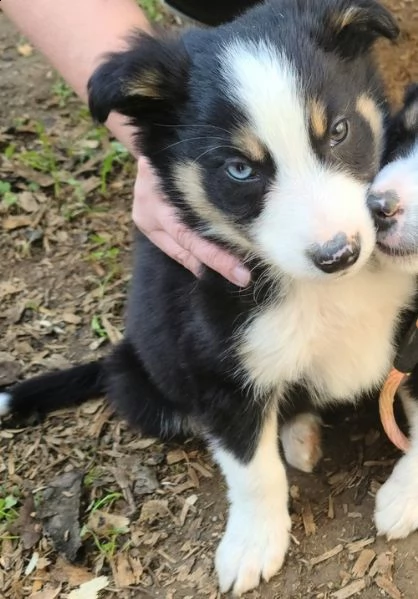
<point>350,27</point>
<point>147,81</point>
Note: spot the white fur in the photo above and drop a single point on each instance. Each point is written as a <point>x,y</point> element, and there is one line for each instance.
<point>5,401</point>
<point>396,513</point>
<point>310,203</point>
<point>335,335</point>
<point>257,533</point>
<point>301,440</point>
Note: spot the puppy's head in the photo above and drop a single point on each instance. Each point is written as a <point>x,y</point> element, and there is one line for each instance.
<point>266,131</point>
<point>393,197</point>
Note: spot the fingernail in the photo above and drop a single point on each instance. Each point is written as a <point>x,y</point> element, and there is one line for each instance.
<point>241,276</point>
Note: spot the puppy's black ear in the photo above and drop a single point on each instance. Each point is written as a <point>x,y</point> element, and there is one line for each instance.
<point>350,27</point>
<point>147,81</point>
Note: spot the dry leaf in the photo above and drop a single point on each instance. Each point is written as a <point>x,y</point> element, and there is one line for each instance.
<point>103,523</point>
<point>91,589</point>
<point>72,575</point>
<point>127,571</point>
<point>154,508</point>
<point>27,201</point>
<point>16,222</point>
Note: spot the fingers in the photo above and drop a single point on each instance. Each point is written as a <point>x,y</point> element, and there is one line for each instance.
<point>158,221</point>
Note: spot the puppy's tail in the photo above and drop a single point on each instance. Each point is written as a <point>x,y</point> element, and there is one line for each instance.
<point>54,390</point>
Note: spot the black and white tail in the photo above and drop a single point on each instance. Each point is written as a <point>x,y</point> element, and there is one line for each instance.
<point>54,390</point>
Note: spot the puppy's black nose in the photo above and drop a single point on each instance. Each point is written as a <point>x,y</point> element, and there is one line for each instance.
<point>337,254</point>
<point>384,207</point>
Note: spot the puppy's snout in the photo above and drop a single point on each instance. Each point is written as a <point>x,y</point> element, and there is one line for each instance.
<point>384,207</point>
<point>339,253</point>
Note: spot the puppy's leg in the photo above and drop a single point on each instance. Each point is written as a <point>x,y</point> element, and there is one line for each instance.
<point>257,533</point>
<point>301,440</point>
<point>396,513</point>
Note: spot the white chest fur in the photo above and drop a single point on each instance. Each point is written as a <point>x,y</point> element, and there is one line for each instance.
<point>337,336</point>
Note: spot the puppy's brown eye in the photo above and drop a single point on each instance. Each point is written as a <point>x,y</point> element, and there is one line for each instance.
<point>339,132</point>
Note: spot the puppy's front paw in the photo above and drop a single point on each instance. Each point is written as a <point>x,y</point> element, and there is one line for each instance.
<point>252,548</point>
<point>396,513</point>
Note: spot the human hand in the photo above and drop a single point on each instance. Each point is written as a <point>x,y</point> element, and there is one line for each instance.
<point>159,222</point>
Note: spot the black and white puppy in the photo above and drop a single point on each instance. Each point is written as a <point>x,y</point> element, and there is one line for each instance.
<point>266,133</point>
<point>394,199</point>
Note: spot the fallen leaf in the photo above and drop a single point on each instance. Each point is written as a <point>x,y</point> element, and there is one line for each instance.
<point>27,201</point>
<point>154,508</point>
<point>59,512</point>
<point>126,570</point>
<point>91,589</point>
<point>72,575</point>
<point>16,222</point>
<point>102,523</point>
<point>26,526</point>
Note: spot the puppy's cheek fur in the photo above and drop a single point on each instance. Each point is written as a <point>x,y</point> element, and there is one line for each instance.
<point>332,204</point>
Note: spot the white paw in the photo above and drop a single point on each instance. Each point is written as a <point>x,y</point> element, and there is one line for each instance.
<point>301,440</point>
<point>396,512</point>
<point>253,548</point>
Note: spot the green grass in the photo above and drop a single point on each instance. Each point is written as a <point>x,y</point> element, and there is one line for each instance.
<point>152,9</point>
<point>110,541</point>
<point>7,508</point>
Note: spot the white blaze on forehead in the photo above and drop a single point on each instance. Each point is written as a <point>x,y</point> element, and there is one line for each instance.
<point>310,201</point>
<point>264,83</point>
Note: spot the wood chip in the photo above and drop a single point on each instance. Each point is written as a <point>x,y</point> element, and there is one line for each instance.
<point>388,586</point>
<point>308,519</point>
<point>359,545</point>
<point>90,590</point>
<point>327,555</point>
<point>351,589</point>
<point>363,563</point>
<point>47,593</point>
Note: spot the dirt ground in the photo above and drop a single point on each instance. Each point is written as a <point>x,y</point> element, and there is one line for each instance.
<point>149,515</point>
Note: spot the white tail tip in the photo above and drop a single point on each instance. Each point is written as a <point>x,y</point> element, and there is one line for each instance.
<point>5,403</point>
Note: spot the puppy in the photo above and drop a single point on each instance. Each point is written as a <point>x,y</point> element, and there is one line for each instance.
<point>394,201</point>
<point>266,134</point>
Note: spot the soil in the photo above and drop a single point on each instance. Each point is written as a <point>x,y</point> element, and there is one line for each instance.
<point>64,243</point>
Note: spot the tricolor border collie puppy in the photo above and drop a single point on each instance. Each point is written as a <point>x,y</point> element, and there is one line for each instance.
<point>266,133</point>
<point>394,201</point>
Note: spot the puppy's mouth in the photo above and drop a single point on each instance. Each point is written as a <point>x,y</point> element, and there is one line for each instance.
<point>396,252</point>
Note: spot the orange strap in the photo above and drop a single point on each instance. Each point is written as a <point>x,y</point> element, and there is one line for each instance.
<point>387,416</point>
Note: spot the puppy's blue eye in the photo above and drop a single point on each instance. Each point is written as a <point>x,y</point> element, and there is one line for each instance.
<point>240,170</point>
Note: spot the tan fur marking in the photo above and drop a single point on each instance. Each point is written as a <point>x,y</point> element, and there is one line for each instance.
<point>188,180</point>
<point>318,118</point>
<point>248,143</point>
<point>349,16</point>
<point>148,84</point>
<point>369,110</point>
